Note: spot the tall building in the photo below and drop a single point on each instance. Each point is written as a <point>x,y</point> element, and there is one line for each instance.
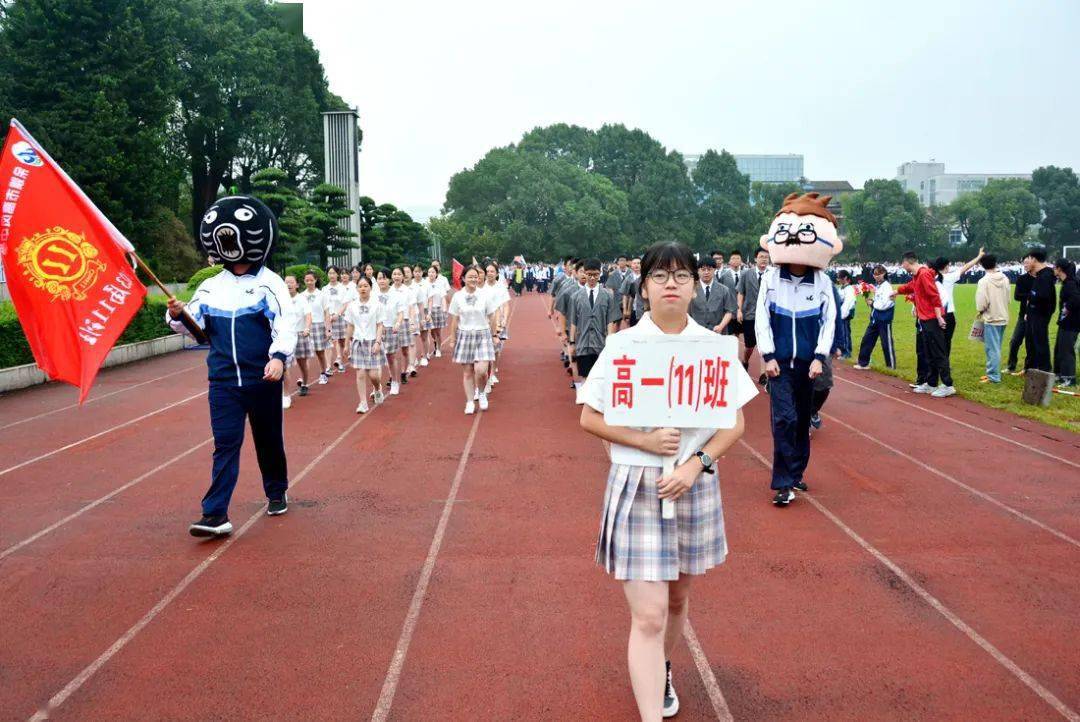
<point>935,187</point>
<point>341,166</point>
<point>764,168</point>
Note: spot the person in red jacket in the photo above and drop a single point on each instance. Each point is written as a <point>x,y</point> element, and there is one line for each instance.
<point>931,318</point>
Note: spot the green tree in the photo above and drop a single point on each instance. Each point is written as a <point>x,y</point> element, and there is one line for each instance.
<point>1058,192</point>
<point>562,142</point>
<point>94,81</point>
<point>328,203</point>
<point>997,216</point>
<point>883,221</point>
<point>294,212</point>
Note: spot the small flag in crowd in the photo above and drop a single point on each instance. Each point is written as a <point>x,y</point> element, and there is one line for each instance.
<point>457,272</point>
<point>73,288</point>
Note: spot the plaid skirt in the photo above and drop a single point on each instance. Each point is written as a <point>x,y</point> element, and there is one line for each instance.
<point>473,346</point>
<point>636,543</point>
<point>364,358</point>
<point>338,327</point>
<point>439,318</point>
<point>414,327</point>
<point>427,322</point>
<point>391,340</point>
<point>318,336</point>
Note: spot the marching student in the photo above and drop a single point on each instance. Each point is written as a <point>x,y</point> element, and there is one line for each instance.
<point>472,330</point>
<point>366,320</point>
<point>303,343</point>
<point>656,558</point>
<point>423,309</point>
<point>393,319</point>
<point>713,305</point>
<point>320,324</point>
<point>564,311</point>
<point>403,302</point>
<point>594,319</point>
<point>369,273</point>
<point>631,303</point>
<point>882,308</point>
<point>438,309</point>
<point>746,294</point>
<point>500,300</point>
<point>335,297</point>
<point>848,299</point>
<point>248,315</point>
<point>614,283</point>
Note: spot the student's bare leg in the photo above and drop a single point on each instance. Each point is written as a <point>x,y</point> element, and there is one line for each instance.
<point>645,651</point>
<point>361,385</point>
<point>480,374</point>
<point>302,364</point>
<point>321,355</point>
<point>375,379</point>
<point>468,380</point>
<point>678,607</point>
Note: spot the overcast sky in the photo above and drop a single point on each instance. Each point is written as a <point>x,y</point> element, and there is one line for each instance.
<point>856,87</point>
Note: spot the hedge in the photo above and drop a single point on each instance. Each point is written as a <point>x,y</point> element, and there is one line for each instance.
<point>300,269</point>
<point>201,275</point>
<point>148,323</point>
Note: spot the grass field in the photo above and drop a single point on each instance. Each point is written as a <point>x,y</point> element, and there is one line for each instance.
<point>969,362</point>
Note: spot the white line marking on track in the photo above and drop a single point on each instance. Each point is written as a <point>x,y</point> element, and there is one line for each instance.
<point>1032,684</point>
<point>966,425</point>
<point>981,494</point>
<point>101,433</point>
<point>84,676</point>
<point>719,704</point>
<point>101,500</point>
<point>397,661</point>
<point>99,398</point>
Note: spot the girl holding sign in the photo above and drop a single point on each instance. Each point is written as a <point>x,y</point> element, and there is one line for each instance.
<point>654,557</point>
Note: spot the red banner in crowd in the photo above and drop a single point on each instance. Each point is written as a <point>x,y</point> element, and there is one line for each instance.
<point>73,288</point>
<point>457,272</point>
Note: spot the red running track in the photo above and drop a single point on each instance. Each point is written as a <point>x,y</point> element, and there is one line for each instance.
<point>437,566</point>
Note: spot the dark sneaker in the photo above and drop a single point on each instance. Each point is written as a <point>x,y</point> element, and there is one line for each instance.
<point>303,390</point>
<point>763,379</point>
<point>800,485</point>
<point>671,700</point>
<point>276,507</point>
<point>211,526</point>
<point>412,373</point>
<point>784,497</point>
<point>815,421</point>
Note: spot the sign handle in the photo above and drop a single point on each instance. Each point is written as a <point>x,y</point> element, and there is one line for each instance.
<point>667,506</point>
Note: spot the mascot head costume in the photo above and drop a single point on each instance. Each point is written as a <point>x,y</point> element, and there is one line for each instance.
<point>238,229</point>
<point>803,232</point>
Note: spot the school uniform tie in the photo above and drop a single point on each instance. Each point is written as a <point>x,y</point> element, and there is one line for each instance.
<point>591,299</point>
<point>706,293</point>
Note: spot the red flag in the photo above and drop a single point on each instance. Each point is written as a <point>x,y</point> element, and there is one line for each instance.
<point>458,270</point>
<point>73,288</point>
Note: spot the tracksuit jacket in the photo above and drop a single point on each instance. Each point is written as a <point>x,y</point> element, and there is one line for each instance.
<point>795,320</point>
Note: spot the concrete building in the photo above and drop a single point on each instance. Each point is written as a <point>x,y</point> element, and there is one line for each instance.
<point>835,189</point>
<point>341,166</point>
<point>765,168</point>
<point>935,187</point>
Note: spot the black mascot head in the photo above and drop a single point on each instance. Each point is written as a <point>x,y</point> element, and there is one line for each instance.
<point>238,229</point>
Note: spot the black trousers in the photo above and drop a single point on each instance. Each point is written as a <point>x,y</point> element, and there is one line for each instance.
<point>877,330</point>
<point>922,362</point>
<point>1037,339</point>
<point>791,397</point>
<point>1065,355</point>
<point>1019,336</point>
<point>950,329</point>
<point>937,355</point>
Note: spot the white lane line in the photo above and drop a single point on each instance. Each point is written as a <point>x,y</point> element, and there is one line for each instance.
<point>397,661</point>
<point>1032,684</point>
<point>99,398</point>
<point>966,425</point>
<point>719,704</point>
<point>100,434</point>
<point>981,494</point>
<point>84,676</point>
<point>100,500</point>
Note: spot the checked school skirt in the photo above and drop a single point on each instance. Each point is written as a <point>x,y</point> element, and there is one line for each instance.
<point>392,340</point>
<point>338,328</point>
<point>473,346</point>
<point>636,543</point>
<point>439,318</point>
<point>364,358</point>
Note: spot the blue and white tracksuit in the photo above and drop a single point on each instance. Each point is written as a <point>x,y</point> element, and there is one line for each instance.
<point>795,324</point>
<point>249,320</point>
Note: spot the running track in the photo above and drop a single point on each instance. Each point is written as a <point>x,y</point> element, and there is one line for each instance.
<point>437,566</point>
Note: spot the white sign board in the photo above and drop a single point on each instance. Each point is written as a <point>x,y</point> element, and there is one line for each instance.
<point>685,382</point>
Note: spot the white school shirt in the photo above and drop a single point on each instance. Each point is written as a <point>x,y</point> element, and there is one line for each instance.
<point>302,313</point>
<point>391,301</point>
<point>594,393</point>
<point>316,305</point>
<point>499,294</point>
<point>945,288</point>
<point>883,297</point>
<point>364,317</point>
<point>442,284</point>
<point>848,296</point>
<point>472,310</point>
<point>335,297</point>
<point>418,297</point>
<point>437,295</point>
<point>402,299</point>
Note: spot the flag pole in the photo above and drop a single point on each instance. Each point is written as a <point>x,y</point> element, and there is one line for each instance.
<point>185,318</point>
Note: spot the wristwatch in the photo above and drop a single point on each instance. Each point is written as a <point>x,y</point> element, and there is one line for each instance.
<point>706,462</point>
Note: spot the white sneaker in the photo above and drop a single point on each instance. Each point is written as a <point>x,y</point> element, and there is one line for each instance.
<point>362,408</point>
<point>861,368</point>
<point>323,378</point>
<point>476,394</point>
<point>424,361</point>
<point>494,379</point>
<point>483,402</point>
<point>923,389</point>
<point>410,370</point>
<point>395,388</point>
<point>379,398</point>
<point>487,389</point>
<point>286,402</point>
<point>942,392</point>
<point>470,408</point>
<point>438,353</point>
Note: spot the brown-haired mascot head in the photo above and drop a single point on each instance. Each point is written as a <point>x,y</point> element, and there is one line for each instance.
<point>803,232</point>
